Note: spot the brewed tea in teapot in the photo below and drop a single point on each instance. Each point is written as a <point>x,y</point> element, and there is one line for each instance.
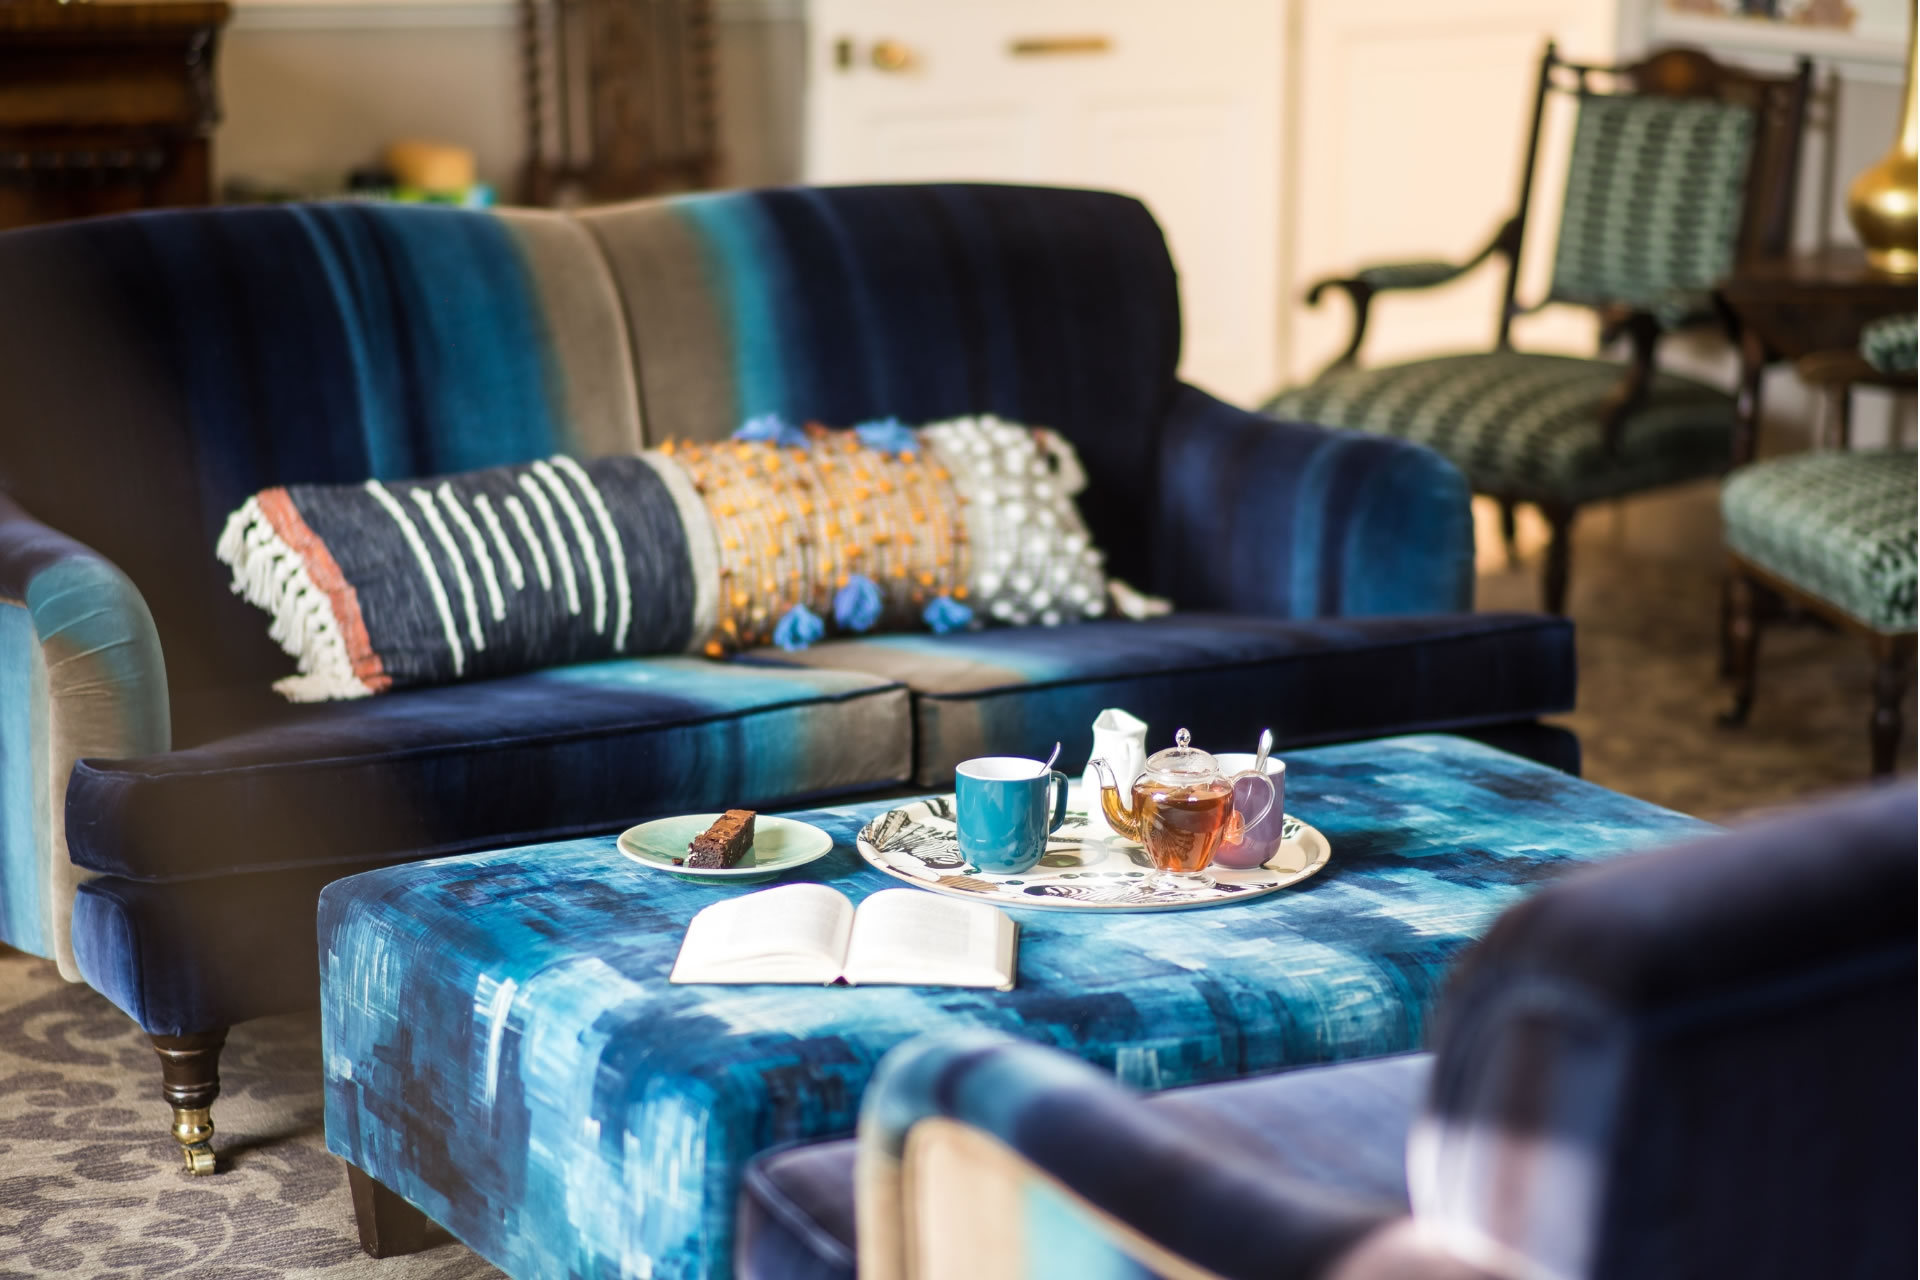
<point>1181,808</point>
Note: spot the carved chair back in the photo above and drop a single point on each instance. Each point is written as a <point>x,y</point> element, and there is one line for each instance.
<point>1681,169</point>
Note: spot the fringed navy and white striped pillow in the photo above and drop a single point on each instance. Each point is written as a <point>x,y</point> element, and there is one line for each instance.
<point>387,584</point>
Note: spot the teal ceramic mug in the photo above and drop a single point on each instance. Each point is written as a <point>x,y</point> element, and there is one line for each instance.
<point>1001,811</point>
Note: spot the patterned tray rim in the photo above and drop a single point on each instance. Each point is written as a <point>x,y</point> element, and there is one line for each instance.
<point>1318,847</point>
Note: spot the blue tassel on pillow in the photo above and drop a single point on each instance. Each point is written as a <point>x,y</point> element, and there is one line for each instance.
<point>947,614</point>
<point>799,629</point>
<point>887,435</point>
<point>856,606</point>
<point>773,429</point>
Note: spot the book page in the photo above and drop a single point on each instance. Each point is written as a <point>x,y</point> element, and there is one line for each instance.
<point>915,938</point>
<point>796,933</point>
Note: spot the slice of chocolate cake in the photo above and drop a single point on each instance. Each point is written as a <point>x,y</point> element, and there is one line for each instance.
<point>725,842</point>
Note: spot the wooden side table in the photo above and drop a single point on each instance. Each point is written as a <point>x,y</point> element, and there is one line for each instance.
<point>1787,308</point>
<point>105,107</point>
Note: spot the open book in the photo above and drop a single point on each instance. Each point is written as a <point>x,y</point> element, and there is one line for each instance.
<point>810,933</point>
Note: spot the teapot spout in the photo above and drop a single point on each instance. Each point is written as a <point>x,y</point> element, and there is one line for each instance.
<point>1114,804</point>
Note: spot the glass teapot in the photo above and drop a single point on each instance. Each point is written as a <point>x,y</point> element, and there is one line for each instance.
<point>1182,809</point>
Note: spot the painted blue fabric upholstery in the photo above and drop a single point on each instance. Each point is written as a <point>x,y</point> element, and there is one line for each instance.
<point>559,752</point>
<point>1698,1061</point>
<point>1214,1150</point>
<point>503,1049</point>
<point>1223,677</point>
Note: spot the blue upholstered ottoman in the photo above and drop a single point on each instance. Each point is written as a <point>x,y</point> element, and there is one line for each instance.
<point>504,1053</point>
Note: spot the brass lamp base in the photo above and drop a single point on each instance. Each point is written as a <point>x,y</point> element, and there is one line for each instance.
<point>1882,203</point>
<point>1894,262</point>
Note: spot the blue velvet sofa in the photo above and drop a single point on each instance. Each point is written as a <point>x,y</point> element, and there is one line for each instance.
<point>167,822</point>
<point>1687,1063</point>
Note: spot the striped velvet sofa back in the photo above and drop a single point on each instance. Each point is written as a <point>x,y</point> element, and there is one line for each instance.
<point>840,304</point>
<point>158,368</point>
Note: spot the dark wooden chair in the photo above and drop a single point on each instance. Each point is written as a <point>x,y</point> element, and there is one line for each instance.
<point>622,99</point>
<point>1832,534</point>
<point>1681,169</point>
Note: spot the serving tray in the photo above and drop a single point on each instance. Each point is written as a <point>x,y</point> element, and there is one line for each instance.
<point>1079,872</point>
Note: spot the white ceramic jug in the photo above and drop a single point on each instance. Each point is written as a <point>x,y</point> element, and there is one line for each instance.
<point>1121,740</point>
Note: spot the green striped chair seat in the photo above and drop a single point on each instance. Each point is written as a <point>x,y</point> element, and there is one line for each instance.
<point>1527,426</point>
<point>1888,344</point>
<point>1838,525</point>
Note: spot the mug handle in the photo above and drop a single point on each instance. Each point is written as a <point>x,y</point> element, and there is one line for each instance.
<point>1246,824</point>
<point>1057,783</point>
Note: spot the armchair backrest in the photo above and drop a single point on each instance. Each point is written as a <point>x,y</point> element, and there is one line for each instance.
<point>159,368</point>
<point>843,304</point>
<point>1696,1061</point>
<point>1681,167</point>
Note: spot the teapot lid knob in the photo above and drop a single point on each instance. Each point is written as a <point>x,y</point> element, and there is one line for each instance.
<point>1182,762</point>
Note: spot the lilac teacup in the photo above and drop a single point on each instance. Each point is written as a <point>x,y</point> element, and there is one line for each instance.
<point>1262,840</point>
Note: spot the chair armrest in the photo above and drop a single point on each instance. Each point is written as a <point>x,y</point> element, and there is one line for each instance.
<point>81,675</point>
<point>1388,277</point>
<point>1259,516</point>
<point>954,1127</point>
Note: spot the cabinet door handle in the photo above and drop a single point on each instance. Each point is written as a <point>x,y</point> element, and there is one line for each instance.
<point>891,55</point>
<point>1052,46</point>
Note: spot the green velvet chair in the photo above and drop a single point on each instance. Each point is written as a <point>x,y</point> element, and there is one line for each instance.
<point>1834,533</point>
<point>1680,168</point>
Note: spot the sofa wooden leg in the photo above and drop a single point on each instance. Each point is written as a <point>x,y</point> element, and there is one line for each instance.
<point>1895,659</point>
<point>1559,557</point>
<point>1741,646</point>
<point>389,1226</point>
<point>190,1081</point>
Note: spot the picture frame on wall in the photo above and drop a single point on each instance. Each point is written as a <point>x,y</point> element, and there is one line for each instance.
<point>1865,33</point>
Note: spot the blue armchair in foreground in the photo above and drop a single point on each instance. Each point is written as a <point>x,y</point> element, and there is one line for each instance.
<point>1695,1062</point>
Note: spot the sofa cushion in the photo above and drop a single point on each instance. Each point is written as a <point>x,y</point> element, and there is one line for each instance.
<point>1838,524</point>
<point>1222,677</point>
<point>1340,1128</point>
<point>1888,344</point>
<point>541,756</point>
<point>374,586</point>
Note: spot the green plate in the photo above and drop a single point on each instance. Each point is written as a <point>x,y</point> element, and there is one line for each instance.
<point>779,845</point>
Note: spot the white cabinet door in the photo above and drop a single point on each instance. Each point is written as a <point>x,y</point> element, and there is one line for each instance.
<point>1176,103</point>
<point>1411,132</point>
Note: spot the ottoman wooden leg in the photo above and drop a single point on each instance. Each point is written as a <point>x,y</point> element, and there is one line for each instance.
<point>1895,658</point>
<point>389,1226</point>
<point>190,1081</point>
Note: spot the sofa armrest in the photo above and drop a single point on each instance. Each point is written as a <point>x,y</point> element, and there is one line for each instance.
<point>1259,516</point>
<point>80,675</point>
<point>1005,1158</point>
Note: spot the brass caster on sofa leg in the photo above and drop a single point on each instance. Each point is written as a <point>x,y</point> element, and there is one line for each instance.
<point>190,1081</point>
<point>193,1130</point>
